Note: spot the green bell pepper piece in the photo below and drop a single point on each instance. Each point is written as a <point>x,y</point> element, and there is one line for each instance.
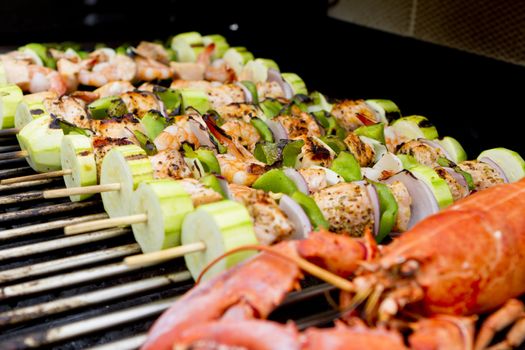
<point>270,107</point>
<point>376,132</point>
<point>347,166</point>
<point>388,207</point>
<point>263,129</point>
<point>311,209</point>
<point>290,153</point>
<point>267,152</point>
<point>153,123</point>
<point>275,181</point>
<point>212,182</point>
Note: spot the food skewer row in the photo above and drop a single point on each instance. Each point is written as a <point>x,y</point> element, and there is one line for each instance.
<point>146,237</point>
<point>158,99</point>
<point>111,187</point>
<point>31,68</point>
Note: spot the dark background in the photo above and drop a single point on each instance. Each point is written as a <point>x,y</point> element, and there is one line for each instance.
<point>475,99</point>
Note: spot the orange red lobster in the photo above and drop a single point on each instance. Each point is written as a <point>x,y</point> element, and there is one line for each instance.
<point>423,291</point>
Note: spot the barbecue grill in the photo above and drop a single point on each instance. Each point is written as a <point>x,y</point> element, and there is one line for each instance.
<point>75,292</point>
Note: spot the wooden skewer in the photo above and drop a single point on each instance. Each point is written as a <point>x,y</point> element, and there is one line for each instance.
<point>105,223</point>
<point>10,131</point>
<point>14,155</point>
<point>164,255</point>
<point>66,192</point>
<point>41,176</point>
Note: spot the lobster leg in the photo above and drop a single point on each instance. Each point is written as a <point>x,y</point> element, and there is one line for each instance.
<point>512,312</point>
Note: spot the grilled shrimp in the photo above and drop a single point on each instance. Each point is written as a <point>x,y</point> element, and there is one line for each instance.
<point>187,71</point>
<point>33,78</point>
<point>140,102</point>
<point>200,194</point>
<point>243,132</point>
<point>153,51</point>
<point>176,134</point>
<point>299,124</point>
<point>422,152</point>
<point>270,223</point>
<point>483,175</point>
<point>240,171</point>
<point>347,208</point>
<point>148,69</point>
<point>114,88</point>
<point>170,164</point>
<point>362,152</point>
<point>104,66</point>
<point>353,114</point>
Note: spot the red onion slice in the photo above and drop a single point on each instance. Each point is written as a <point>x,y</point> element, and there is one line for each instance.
<point>274,75</point>
<point>201,134</point>
<point>436,145</point>
<point>297,216</point>
<point>278,130</point>
<point>298,179</point>
<point>423,201</point>
<point>247,94</point>
<point>374,199</point>
<point>458,177</point>
<point>496,167</point>
<point>224,187</point>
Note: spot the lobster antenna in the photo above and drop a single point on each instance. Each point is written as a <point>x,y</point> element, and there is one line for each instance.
<point>303,264</point>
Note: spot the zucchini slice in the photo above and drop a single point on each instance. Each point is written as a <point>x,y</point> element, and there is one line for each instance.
<point>78,156</point>
<point>129,166</point>
<point>166,203</point>
<point>42,143</point>
<point>222,226</point>
<point>10,97</point>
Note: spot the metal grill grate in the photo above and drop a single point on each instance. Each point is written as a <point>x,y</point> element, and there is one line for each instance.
<point>74,292</point>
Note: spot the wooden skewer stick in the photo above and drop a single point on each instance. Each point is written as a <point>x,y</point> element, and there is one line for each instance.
<point>105,223</point>
<point>164,255</point>
<point>66,192</point>
<point>10,131</point>
<point>14,155</point>
<point>41,176</point>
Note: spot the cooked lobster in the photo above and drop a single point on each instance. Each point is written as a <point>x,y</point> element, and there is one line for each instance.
<point>464,261</point>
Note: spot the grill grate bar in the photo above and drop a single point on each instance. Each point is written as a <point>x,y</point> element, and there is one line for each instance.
<point>47,226</point>
<point>15,171</point>
<point>60,243</point>
<point>21,197</point>
<point>89,325</point>
<point>68,262</point>
<point>68,279</point>
<point>91,298</point>
<point>130,343</point>
<point>47,210</point>
<point>25,184</point>
<point>9,148</point>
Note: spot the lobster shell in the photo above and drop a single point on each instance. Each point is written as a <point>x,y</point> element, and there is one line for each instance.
<point>471,256</point>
